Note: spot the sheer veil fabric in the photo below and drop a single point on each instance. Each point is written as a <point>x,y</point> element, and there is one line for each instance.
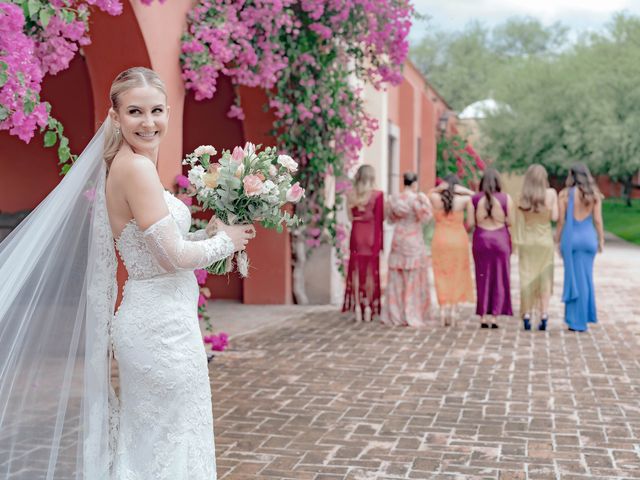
<point>57,296</point>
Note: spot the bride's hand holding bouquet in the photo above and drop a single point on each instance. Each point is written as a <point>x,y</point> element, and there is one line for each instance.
<point>244,186</point>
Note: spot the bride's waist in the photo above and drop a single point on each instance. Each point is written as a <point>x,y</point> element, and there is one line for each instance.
<point>163,282</point>
<point>160,276</point>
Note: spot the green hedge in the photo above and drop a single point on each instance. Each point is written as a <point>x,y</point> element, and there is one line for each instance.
<point>621,220</point>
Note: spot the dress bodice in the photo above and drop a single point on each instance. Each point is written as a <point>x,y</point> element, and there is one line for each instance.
<point>133,249</point>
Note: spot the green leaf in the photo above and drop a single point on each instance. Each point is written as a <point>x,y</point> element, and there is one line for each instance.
<point>45,16</point>
<point>64,154</point>
<point>65,168</point>
<point>33,6</point>
<point>50,139</point>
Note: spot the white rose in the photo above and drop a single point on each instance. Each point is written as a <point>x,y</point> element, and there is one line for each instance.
<point>268,186</point>
<point>287,162</point>
<point>195,177</point>
<point>273,171</point>
<point>202,149</point>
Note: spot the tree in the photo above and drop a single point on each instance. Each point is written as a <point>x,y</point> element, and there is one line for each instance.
<point>581,105</point>
<point>459,65</point>
<point>465,66</point>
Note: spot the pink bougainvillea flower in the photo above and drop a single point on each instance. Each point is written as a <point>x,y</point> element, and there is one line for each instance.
<point>186,199</point>
<point>201,276</point>
<point>182,181</point>
<point>202,300</point>
<point>218,342</point>
<point>236,112</point>
<point>90,194</point>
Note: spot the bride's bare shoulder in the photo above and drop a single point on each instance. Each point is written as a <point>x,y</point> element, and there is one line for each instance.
<point>134,170</point>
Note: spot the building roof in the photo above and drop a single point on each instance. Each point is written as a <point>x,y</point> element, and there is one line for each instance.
<point>410,64</point>
<point>480,109</point>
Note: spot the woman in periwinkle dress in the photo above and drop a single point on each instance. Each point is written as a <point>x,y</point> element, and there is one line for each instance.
<point>493,214</point>
<point>537,207</point>
<point>581,235</point>
<point>407,297</point>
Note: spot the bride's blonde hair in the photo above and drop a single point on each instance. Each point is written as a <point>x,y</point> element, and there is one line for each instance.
<point>131,78</point>
<point>363,183</point>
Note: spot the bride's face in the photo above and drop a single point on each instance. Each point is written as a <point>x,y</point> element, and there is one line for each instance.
<point>143,118</point>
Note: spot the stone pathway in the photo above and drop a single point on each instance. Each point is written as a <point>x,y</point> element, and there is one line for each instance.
<point>322,398</point>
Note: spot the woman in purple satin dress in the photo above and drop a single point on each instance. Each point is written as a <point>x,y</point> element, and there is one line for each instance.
<point>493,212</point>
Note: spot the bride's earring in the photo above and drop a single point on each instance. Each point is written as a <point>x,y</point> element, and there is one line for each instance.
<point>117,131</point>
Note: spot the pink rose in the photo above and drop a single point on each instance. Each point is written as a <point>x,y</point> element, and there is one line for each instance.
<point>252,185</point>
<point>237,155</point>
<point>295,193</point>
<point>287,162</point>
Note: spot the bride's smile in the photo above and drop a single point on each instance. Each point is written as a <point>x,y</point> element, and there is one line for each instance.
<point>143,118</point>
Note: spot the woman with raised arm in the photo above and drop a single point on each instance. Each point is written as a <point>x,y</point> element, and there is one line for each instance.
<point>365,207</point>
<point>580,233</point>
<point>450,247</point>
<point>493,215</point>
<point>408,297</point>
<point>537,208</point>
<point>57,313</point>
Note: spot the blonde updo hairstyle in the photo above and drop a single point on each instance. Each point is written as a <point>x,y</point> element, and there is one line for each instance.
<point>131,78</point>
<point>363,183</point>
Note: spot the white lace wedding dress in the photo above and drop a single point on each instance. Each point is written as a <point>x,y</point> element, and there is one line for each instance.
<point>165,422</point>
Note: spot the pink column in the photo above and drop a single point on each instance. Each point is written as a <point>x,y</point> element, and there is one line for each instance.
<point>162,25</point>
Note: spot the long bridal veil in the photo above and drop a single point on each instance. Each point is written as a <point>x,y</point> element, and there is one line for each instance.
<point>57,294</point>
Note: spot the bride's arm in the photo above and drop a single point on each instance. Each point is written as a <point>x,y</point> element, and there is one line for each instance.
<point>146,199</point>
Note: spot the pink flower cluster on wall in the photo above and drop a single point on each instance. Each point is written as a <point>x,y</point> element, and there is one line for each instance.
<point>312,57</point>
<point>39,38</point>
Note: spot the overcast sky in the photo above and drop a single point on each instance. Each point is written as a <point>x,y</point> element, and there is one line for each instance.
<point>577,14</point>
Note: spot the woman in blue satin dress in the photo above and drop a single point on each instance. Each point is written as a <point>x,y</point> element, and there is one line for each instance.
<point>580,234</point>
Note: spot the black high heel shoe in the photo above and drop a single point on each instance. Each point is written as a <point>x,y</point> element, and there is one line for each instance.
<point>543,323</point>
<point>526,321</point>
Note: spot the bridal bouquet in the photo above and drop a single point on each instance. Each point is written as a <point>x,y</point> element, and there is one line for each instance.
<point>242,187</point>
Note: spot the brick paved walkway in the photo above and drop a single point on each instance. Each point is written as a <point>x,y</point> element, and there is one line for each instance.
<point>324,398</point>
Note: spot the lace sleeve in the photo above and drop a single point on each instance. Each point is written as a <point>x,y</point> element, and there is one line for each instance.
<point>173,252</point>
<point>197,235</point>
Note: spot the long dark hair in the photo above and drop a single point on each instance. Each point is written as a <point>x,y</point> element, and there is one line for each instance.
<point>580,176</point>
<point>447,195</point>
<point>489,185</point>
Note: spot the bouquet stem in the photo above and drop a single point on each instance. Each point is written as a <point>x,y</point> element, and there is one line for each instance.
<point>224,266</point>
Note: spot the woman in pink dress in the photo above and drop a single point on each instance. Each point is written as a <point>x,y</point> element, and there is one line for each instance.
<point>407,297</point>
<point>366,211</point>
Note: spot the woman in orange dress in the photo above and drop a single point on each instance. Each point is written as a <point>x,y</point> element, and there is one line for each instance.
<point>450,256</point>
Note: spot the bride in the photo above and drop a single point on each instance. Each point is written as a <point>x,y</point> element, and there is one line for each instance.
<point>59,415</point>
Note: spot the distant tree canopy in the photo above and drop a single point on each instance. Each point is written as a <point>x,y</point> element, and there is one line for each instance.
<point>565,101</point>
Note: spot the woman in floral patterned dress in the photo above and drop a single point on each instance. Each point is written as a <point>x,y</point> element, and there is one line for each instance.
<point>407,297</point>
